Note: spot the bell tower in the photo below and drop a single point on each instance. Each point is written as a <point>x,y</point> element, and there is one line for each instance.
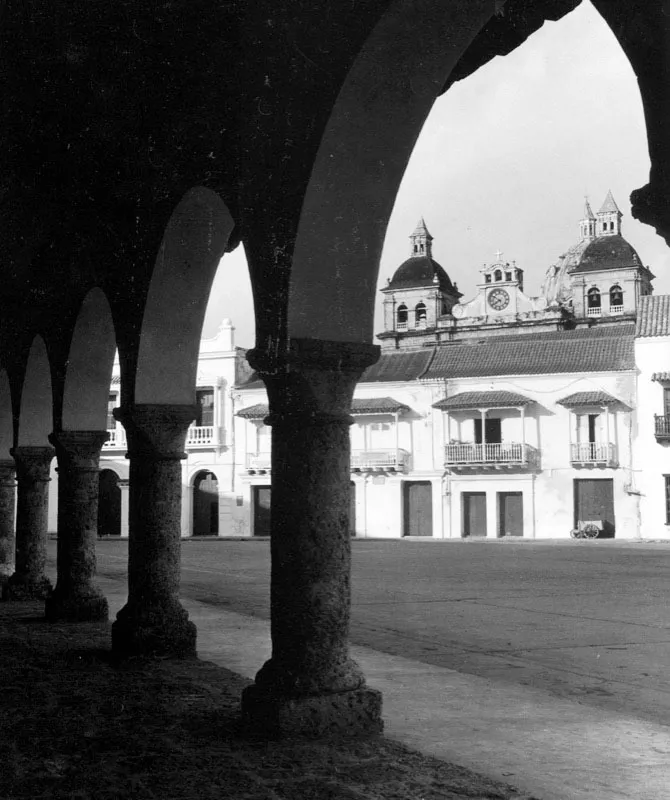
<point>609,218</point>
<point>421,241</point>
<point>587,224</point>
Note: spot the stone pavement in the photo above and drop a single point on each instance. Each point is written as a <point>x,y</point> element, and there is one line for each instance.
<point>552,748</point>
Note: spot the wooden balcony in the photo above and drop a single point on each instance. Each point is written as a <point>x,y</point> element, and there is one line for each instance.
<point>502,455</point>
<point>662,428</point>
<point>592,454</point>
<point>379,460</point>
<point>258,463</point>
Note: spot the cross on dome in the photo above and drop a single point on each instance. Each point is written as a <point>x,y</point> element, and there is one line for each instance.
<point>498,255</point>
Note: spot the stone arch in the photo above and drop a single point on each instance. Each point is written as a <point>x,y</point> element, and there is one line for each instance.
<point>193,244</point>
<point>367,143</point>
<point>89,367</point>
<point>402,315</point>
<point>36,407</point>
<point>6,417</point>
<point>205,503</point>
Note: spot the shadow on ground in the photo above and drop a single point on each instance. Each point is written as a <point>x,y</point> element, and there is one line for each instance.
<point>77,726</point>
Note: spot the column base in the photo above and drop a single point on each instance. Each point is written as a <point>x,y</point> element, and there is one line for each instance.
<point>92,607</point>
<point>22,588</point>
<point>354,713</point>
<point>153,634</point>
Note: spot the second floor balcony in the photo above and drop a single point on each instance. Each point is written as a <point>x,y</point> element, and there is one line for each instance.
<point>593,454</point>
<point>662,427</point>
<point>197,436</point>
<point>393,460</point>
<point>499,455</point>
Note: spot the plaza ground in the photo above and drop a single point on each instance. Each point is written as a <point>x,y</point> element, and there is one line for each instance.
<point>588,621</point>
<point>502,664</point>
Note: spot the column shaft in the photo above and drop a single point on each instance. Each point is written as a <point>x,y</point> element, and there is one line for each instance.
<point>76,598</point>
<point>7,518</point>
<point>310,684</point>
<point>29,581</point>
<point>153,622</point>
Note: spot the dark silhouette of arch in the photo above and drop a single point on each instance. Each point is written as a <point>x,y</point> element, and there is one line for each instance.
<point>109,504</point>
<point>205,504</point>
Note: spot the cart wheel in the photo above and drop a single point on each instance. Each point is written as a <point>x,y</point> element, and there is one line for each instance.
<point>575,533</point>
<point>590,531</point>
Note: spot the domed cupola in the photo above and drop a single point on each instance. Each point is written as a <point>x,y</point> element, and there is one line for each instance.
<point>602,275</point>
<point>420,290</point>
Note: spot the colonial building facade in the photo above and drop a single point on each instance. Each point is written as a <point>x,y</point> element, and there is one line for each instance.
<point>503,415</point>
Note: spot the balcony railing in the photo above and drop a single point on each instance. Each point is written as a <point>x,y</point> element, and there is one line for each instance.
<point>258,462</point>
<point>593,453</point>
<point>379,460</point>
<point>117,439</point>
<point>498,454</point>
<point>200,435</point>
<point>595,311</point>
<point>661,426</point>
<point>616,309</point>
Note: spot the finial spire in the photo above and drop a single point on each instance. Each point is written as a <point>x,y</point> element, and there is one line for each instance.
<point>609,217</point>
<point>421,240</point>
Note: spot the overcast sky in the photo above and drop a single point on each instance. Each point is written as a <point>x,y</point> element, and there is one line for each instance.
<point>504,161</point>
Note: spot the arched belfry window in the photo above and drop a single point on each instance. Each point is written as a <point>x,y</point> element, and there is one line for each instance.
<point>616,299</point>
<point>401,317</point>
<point>497,275</point>
<point>593,302</point>
<point>420,315</point>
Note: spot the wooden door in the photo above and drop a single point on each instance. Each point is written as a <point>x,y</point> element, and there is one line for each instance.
<point>262,510</point>
<point>418,508</point>
<point>474,514</point>
<point>594,499</point>
<point>510,506</point>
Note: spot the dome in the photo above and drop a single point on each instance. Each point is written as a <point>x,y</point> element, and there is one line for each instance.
<point>607,252</point>
<point>557,286</point>
<point>420,271</point>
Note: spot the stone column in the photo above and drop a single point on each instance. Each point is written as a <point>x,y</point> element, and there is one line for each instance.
<point>153,621</point>
<point>124,488</point>
<point>32,473</point>
<point>76,598</point>
<point>310,685</point>
<point>7,516</point>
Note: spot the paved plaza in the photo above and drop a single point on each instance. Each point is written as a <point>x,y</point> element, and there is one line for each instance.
<point>540,663</point>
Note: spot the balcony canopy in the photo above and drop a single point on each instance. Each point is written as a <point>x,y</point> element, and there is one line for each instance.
<point>588,399</point>
<point>477,400</point>
<point>370,405</point>
<point>661,377</point>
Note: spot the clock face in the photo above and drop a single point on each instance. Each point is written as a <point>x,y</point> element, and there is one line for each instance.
<point>498,299</point>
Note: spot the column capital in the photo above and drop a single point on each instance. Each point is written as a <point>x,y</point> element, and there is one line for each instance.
<point>33,463</point>
<point>78,450</point>
<point>313,384</point>
<point>156,431</point>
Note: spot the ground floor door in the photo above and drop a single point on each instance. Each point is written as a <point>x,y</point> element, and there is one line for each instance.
<point>262,510</point>
<point>474,514</point>
<point>510,509</point>
<point>417,508</point>
<point>205,504</point>
<point>594,499</point>
<point>109,504</point>
<point>352,509</point>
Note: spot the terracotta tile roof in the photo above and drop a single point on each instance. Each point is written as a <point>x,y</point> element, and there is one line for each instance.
<point>653,316</point>
<point>398,367</point>
<point>370,405</point>
<point>596,398</point>
<point>583,350</point>
<point>484,400</point>
<point>377,405</point>
<point>258,411</point>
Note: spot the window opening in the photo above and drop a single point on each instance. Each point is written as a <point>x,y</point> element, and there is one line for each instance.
<point>401,317</point>
<point>111,405</point>
<point>204,399</point>
<point>497,275</point>
<point>420,315</point>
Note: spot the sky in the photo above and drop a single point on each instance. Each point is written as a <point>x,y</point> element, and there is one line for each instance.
<point>504,162</point>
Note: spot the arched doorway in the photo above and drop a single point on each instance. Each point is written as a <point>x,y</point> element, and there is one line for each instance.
<point>109,504</point>
<point>205,504</point>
